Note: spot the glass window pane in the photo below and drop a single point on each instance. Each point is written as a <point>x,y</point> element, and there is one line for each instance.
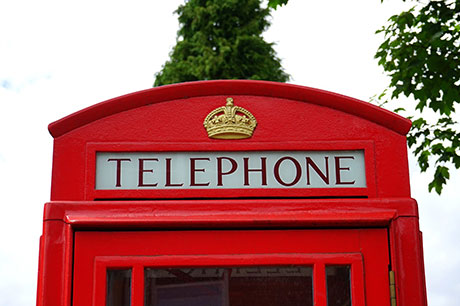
<point>238,286</point>
<point>338,285</point>
<point>118,287</point>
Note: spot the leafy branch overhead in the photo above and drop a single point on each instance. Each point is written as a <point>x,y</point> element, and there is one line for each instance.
<point>275,3</point>
<point>421,54</point>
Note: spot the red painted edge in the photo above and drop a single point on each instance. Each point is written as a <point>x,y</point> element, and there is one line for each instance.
<point>231,213</point>
<point>235,87</point>
<point>212,260</point>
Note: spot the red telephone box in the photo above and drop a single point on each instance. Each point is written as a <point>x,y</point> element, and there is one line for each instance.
<point>231,193</point>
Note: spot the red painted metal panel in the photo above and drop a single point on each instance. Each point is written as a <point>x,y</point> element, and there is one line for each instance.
<point>289,118</point>
<point>408,263</point>
<point>319,282</point>
<point>270,214</point>
<point>233,87</point>
<point>55,265</point>
<point>232,213</point>
<point>95,251</point>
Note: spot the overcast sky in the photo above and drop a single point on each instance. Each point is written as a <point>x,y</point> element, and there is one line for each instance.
<point>57,57</point>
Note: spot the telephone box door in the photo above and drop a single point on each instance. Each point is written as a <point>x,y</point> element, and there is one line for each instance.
<point>333,267</point>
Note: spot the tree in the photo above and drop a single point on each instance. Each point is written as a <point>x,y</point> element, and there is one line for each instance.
<point>221,39</point>
<point>421,54</point>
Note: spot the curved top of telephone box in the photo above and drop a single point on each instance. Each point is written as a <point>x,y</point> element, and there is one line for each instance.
<point>290,118</point>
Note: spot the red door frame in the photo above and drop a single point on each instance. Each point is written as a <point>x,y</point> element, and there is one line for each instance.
<point>62,219</point>
<point>317,261</point>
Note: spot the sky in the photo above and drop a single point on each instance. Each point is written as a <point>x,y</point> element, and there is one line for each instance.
<point>57,57</point>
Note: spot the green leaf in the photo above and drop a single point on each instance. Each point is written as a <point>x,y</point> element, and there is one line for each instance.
<point>420,52</point>
<point>399,109</point>
<point>275,3</point>
<point>418,123</point>
<point>440,178</point>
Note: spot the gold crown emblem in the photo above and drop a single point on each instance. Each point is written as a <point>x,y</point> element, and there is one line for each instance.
<point>230,122</point>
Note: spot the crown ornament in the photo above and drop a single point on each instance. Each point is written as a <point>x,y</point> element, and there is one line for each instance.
<point>230,122</point>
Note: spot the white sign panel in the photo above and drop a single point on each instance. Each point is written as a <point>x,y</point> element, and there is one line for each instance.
<point>230,170</point>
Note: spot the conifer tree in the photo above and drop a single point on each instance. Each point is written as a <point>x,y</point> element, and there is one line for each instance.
<point>221,39</point>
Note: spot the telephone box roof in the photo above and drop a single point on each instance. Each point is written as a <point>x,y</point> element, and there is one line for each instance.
<point>186,90</point>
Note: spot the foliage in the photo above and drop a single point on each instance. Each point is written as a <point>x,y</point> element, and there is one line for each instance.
<point>221,39</point>
<point>421,54</point>
<point>275,3</point>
